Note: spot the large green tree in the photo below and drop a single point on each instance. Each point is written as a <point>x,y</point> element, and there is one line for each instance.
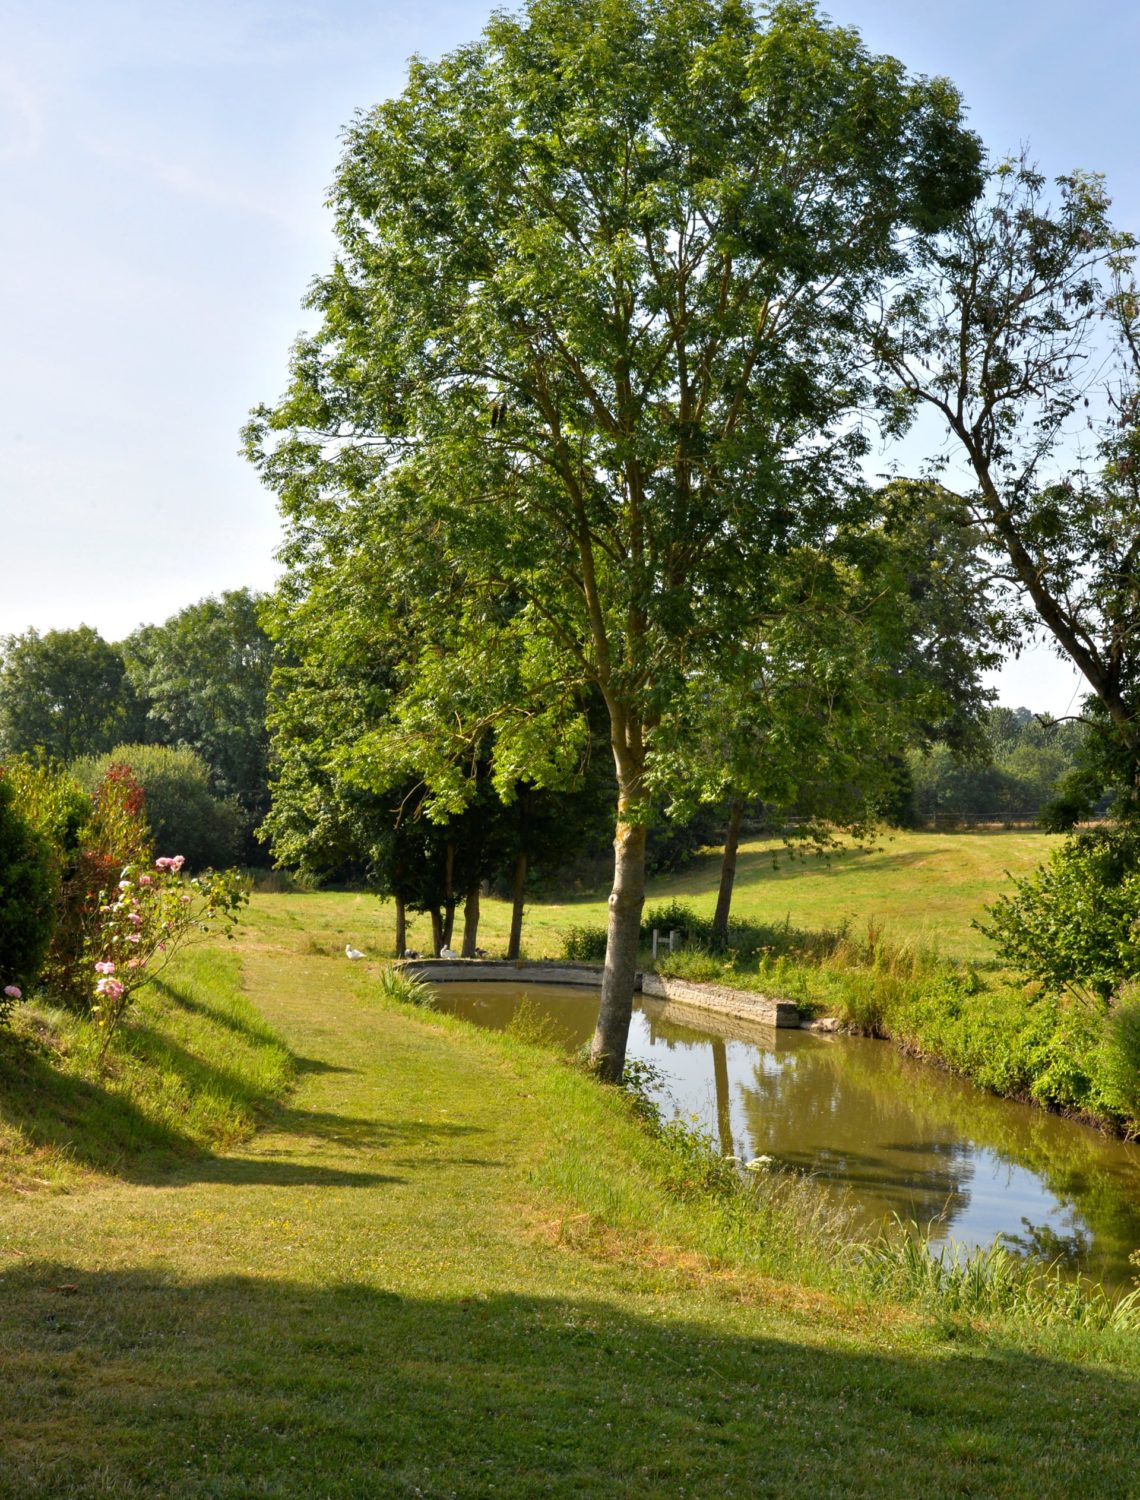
<point>593,343</point>
<point>1020,330</point>
<point>65,693</point>
<point>204,676</point>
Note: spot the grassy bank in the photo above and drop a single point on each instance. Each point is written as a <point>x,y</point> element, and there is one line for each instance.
<point>191,1072</point>
<point>447,1264</point>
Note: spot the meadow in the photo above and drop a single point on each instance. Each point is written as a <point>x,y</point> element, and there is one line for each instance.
<point>919,888</point>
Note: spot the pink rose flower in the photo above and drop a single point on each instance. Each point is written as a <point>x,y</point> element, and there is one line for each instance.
<point>106,967</point>
<point>177,862</point>
<point>13,992</point>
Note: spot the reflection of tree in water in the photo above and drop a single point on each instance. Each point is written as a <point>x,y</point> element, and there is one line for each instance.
<point>853,1099</point>
<point>803,1109</point>
<point>1073,1250</point>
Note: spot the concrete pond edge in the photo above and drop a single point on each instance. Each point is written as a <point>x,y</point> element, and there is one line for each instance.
<point>740,1005</point>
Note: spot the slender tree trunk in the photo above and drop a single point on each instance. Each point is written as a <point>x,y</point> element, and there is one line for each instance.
<point>449,897</point>
<point>401,927</point>
<point>607,1052</point>
<point>723,1101</point>
<point>727,873</point>
<point>436,930</point>
<point>471,921</point>
<point>518,890</point>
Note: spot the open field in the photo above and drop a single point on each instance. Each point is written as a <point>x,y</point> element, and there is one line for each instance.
<point>446,1265</point>
<point>925,887</point>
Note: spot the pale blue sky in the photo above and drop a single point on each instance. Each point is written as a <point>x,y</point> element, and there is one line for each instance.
<point>163,168</point>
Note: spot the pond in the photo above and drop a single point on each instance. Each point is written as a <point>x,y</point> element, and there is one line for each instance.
<point>892,1135</point>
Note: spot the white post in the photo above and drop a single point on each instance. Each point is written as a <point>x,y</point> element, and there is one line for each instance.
<point>672,940</point>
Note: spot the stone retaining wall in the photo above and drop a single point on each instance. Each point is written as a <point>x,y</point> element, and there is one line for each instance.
<point>718,999</point>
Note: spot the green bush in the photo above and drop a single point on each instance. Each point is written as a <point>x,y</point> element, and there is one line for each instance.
<point>183,815</point>
<point>585,945</point>
<point>1121,1059</point>
<point>27,899</point>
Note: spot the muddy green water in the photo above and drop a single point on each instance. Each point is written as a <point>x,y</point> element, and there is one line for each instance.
<point>892,1135</point>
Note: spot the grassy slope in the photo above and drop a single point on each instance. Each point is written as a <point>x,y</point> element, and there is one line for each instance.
<point>920,886</point>
<point>419,1279</point>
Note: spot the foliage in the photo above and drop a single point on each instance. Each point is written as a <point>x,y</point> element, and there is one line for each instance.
<point>181,811</point>
<point>408,988</point>
<point>27,899</point>
<point>550,397</point>
<point>585,945</point>
<point>1121,1059</point>
<point>113,833</point>
<point>1074,925</point>
<point>65,694</point>
<point>1002,333</point>
<point>204,677</point>
<point>1019,769</point>
<point>154,914</point>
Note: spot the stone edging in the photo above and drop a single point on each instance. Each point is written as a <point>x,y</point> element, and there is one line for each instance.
<point>743,1005</point>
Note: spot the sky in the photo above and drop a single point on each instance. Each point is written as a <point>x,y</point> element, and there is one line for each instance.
<point>164,168</point>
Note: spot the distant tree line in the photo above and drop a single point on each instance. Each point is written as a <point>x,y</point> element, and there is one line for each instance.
<point>1021,768</point>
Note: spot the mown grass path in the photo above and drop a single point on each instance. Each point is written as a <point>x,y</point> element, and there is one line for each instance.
<point>372,1297</point>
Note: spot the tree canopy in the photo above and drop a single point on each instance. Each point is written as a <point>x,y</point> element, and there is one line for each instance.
<point>65,693</point>
<point>588,362</point>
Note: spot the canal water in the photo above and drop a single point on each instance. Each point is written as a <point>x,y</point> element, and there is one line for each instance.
<point>887,1133</point>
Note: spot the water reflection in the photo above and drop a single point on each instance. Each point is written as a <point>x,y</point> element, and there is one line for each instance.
<point>894,1136</point>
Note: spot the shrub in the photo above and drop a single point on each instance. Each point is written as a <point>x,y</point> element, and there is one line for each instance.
<point>181,811</point>
<point>27,899</point>
<point>149,917</point>
<point>1121,1060</point>
<point>585,945</point>
<point>112,834</point>
<point>1074,924</point>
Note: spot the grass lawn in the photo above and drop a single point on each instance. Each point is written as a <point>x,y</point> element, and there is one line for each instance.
<point>925,887</point>
<point>446,1265</point>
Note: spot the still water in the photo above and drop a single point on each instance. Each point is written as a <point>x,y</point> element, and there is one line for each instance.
<point>890,1134</point>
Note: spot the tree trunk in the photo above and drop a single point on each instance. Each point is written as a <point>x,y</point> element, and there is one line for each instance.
<point>470,921</point>
<point>607,1052</point>
<point>401,927</point>
<point>518,889</point>
<point>727,873</point>
<point>723,1100</point>
<point>436,930</point>
<point>449,897</point>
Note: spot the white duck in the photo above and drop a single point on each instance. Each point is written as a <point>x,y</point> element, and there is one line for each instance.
<point>351,952</point>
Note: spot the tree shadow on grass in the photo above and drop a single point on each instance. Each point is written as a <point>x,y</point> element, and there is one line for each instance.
<point>135,1384</point>
<point>100,1128</point>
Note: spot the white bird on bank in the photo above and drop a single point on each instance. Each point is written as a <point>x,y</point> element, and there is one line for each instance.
<point>351,952</point>
<point>446,952</point>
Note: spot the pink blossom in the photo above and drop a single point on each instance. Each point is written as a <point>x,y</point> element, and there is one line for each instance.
<point>146,880</point>
<point>111,989</point>
<point>13,992</point>
<point>124,885</point>
<point>163,864</point>
<point>136,963</point>
<point>177,862</point>
<point>132,937</point>
<point>135,917</point>
<point>106,967</point>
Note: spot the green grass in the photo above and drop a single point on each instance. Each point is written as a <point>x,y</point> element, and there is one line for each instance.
<point>924,888</point>
<point>448,1265</point>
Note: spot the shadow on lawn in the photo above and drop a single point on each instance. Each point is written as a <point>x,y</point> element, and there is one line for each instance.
<point>134,1384</point>
<point>98,1127</point>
